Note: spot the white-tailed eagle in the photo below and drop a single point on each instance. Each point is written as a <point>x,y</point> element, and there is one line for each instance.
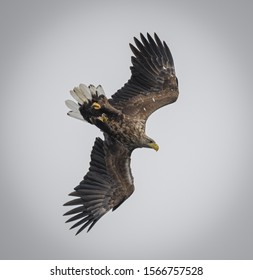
<point>122,119</point>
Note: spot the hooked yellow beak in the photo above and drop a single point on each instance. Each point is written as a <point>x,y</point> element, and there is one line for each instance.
<point>154,146</point>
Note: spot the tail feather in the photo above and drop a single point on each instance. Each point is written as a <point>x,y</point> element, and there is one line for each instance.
<point>85,91</point>
<point>75,115</point>
<point>84,96</point>
<point>93,90</point>
<point>100,90</point>
<point>76,97</point>
<point>72,105</point>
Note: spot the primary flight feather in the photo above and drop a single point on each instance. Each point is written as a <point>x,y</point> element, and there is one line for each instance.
<point>122,118</point>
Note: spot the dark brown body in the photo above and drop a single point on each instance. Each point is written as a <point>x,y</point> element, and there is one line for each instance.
<point>122,118</point>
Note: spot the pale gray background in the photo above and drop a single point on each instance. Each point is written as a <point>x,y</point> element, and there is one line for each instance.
<point>193,198</point>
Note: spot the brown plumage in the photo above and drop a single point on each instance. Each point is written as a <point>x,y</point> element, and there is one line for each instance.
<point>122,118</point>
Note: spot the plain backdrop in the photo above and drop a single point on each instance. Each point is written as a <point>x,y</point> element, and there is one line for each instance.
<point>193,199</point>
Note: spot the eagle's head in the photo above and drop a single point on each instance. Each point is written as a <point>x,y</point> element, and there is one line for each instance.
<point>150,143</point>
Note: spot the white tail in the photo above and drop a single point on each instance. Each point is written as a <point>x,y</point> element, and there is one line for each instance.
<point>83,95</point>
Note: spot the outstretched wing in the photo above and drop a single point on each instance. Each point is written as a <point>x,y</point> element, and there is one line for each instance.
<point>153,83</point>
<point>107,184</point>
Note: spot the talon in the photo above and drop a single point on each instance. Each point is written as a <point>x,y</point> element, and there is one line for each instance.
<point>103,118</point>
<point>96,106</point>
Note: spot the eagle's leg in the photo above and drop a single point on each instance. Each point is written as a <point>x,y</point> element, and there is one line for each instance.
<point>102,123</point>
<point>96,106</point>
<point>103,118</point>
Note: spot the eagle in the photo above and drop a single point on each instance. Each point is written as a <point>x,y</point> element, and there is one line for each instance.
<point>122,119</point>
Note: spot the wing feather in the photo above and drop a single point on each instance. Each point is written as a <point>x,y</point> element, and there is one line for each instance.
<point>153,78</point>
<point>107,184</point>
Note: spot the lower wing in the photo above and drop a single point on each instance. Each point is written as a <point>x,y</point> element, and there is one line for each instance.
<point>107,184</point>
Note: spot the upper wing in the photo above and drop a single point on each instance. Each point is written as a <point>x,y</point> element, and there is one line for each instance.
<point>107,184</point>
<point>153,83</point>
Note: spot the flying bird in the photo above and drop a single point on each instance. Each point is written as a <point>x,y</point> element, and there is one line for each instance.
<point>122,119</point>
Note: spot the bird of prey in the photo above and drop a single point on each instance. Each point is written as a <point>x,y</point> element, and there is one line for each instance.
<point>122,119</point>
